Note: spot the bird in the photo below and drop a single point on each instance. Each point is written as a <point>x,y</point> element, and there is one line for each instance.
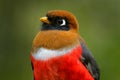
<point>59,52</point>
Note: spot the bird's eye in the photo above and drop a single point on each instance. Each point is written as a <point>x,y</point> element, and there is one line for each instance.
<point>61,22</point>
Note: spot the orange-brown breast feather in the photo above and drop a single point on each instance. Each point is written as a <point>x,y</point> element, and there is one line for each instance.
<point>55,39</point>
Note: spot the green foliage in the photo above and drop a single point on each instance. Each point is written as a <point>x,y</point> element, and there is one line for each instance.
<point>19,22</point>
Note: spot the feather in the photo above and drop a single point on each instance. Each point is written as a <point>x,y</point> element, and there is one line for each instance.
<point>89,61</point>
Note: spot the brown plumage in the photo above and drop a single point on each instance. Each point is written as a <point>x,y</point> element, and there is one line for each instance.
<point>73,24</point>
<point>55,39</point>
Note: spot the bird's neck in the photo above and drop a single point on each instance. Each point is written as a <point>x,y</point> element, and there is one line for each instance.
<point>55,39</point>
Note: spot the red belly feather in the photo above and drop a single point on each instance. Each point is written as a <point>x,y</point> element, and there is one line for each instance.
<point>66,67</point>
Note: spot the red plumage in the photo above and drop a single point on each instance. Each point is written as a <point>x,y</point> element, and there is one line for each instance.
<point>66,67</point>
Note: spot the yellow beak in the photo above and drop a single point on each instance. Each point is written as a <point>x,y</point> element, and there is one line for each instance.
<point>44,20</point>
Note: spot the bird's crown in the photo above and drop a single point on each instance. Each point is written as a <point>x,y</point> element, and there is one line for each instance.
<point>61,20</point>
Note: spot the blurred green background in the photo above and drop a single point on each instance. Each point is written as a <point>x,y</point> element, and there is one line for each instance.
<point>19,22</point>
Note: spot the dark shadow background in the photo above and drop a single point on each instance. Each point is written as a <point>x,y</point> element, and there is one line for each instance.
<point>19,22</point>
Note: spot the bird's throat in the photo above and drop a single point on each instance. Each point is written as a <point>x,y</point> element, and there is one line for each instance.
<point>55,39</point>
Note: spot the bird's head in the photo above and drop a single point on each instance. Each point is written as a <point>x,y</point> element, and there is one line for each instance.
<point>59,29</point>
<point>59,20</point>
